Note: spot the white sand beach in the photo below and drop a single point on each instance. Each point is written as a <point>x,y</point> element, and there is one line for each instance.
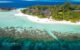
<point>44,20</point>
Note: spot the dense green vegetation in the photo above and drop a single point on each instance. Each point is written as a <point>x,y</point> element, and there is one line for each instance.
<point>67,11</point>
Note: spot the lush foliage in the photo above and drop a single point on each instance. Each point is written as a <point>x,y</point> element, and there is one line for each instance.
<point>67,11</point>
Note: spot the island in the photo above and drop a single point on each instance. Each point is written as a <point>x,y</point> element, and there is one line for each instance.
<point>6,9</point>
<point>59,12</point>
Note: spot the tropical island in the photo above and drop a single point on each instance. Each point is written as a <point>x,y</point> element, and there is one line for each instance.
<point>64,12</point>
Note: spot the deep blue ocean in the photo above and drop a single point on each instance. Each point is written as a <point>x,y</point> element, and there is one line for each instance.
<point>21,4</point>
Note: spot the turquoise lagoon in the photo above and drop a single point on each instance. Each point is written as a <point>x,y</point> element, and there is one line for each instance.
<point>8,19</point>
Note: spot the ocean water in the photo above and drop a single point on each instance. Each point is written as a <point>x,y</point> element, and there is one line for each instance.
<point>8,19</point>
<point>40,45</point>
<point>21,4</point>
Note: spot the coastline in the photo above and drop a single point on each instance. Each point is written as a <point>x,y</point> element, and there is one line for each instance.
<point>44,20</point>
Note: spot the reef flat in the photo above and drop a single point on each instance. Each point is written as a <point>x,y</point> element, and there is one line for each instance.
<point>12,38</point>
<point>67,36</point>
<point>34,34</point>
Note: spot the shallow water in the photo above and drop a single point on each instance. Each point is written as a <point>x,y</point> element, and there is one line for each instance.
<point>10,20</point>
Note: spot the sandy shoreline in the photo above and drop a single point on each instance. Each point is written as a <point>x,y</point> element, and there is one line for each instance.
<point>44,20</point>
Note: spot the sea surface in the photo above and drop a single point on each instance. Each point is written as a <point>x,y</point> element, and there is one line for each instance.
<point>21,4</point>
<point>8,19</point>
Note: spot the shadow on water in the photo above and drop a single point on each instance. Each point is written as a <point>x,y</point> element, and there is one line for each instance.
<point>16,47</point>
